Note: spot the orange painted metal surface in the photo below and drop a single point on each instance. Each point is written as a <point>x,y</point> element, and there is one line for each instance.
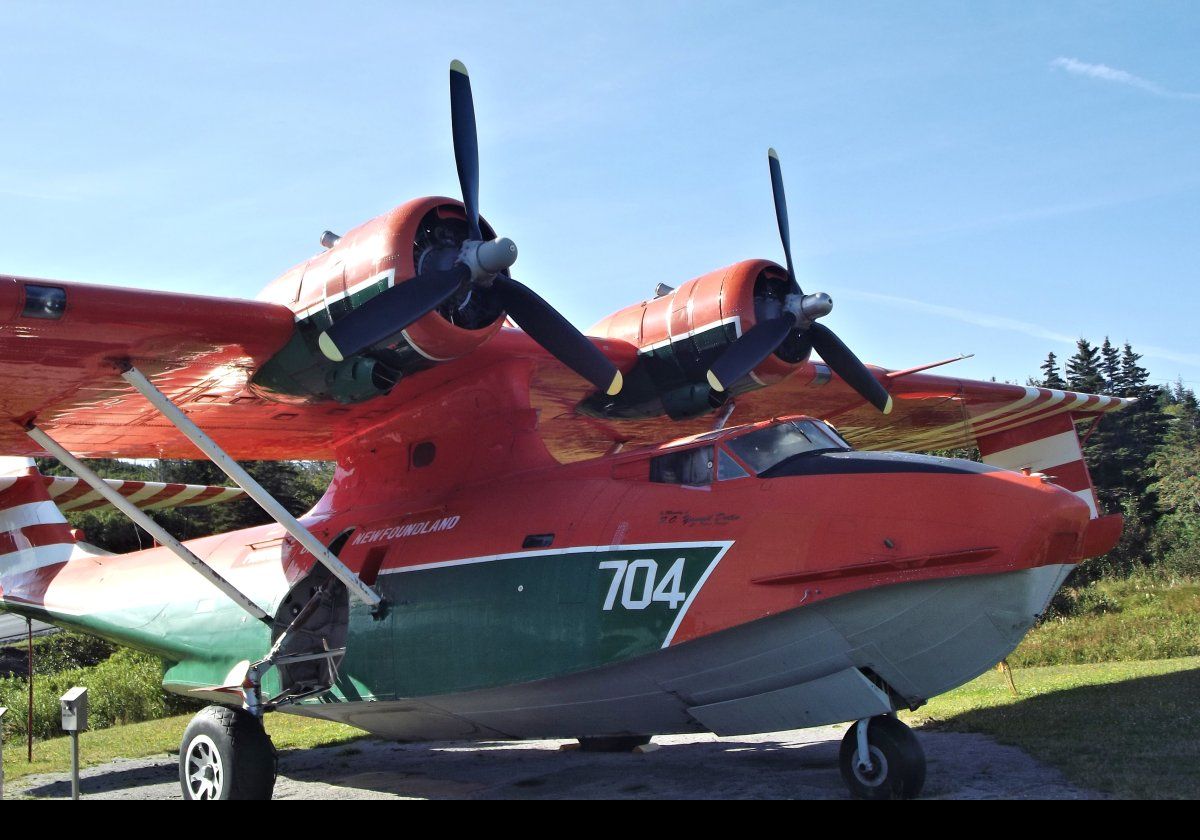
<point>514,456</point>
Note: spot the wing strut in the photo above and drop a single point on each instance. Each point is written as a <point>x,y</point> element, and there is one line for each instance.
<point>145,522</point>
<point>253,489</point>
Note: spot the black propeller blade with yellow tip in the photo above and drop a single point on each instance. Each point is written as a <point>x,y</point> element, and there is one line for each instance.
<point>800,314</point>
<point>481,265</point>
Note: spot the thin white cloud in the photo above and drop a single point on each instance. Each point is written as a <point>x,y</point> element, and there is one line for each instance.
<point>997,322</point>
<point>1104,73</point>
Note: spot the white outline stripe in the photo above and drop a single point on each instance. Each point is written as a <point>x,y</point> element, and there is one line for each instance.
<point>325,302</point>
<point>722,545</point>
<point>736,320</point>
<point>550,552</point>
<point>692,596</point>
<point>421,352</point>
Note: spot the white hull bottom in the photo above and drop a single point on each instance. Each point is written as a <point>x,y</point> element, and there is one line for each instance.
<point>847,658</point>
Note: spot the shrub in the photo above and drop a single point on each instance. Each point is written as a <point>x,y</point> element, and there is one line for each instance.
<point>126,688</point>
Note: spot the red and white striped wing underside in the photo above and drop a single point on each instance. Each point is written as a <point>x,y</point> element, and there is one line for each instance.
<point>73,494</point>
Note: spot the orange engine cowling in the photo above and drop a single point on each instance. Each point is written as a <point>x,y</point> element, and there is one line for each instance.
<point>681,333</point>
<point>418,236</point>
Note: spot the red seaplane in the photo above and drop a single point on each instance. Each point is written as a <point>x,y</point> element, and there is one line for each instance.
<point>682,521</point>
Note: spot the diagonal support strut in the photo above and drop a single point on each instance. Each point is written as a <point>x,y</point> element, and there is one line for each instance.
<point>145,522</point>
<point>253,489</point>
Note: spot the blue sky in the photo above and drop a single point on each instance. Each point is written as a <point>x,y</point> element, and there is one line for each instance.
<point>995,178</point>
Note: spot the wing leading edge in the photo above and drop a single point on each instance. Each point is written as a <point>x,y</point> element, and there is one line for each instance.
<point>201,351</point>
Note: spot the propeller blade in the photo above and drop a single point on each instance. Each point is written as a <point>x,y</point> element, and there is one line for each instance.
<point>846,365</point>
<point>555,333</point>
<point>391,311</point>
<point>750,350</point>
<point>466,143</point>
<point>781,215</point>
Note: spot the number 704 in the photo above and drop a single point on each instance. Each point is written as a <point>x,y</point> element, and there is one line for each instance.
<point>638,584</point>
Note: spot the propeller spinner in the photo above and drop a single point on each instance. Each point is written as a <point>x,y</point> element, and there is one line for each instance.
<point>480,265</point>
<point>799,316</point>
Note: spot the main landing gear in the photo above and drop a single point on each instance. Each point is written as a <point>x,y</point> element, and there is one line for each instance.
<point>226,754</point>
<point>882,759</point>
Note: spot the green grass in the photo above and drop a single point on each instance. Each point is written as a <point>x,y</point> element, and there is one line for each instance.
<point>1130,729</point>
<point>1138,618</point>
<point>159,737</point>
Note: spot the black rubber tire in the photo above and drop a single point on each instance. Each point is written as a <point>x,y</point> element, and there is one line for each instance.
<point>614,744</point>
<point>901,772</point>
<point>247,757</point>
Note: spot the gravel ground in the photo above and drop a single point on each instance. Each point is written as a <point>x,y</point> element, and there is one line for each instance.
<point>783,765</point>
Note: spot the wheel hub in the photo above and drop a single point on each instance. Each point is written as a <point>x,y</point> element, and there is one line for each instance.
<point>205,772</point>
<point>873,772</point>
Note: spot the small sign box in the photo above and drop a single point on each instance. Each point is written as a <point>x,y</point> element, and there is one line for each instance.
<point>74,710</point>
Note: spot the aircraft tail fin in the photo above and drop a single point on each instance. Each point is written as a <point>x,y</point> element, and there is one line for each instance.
<point>33,531</point>
<point>1049,446</point>
<point>1052,446</point>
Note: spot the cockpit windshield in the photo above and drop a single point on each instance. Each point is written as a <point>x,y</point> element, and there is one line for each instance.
<point>766,448</point>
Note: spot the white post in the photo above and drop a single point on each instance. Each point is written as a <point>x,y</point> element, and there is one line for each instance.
<point>144,521</point>
<point>253,489</point>
<point>2,711</point>
<point>74,707</point>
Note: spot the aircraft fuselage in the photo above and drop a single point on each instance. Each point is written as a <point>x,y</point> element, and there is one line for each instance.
<point>508,594</point>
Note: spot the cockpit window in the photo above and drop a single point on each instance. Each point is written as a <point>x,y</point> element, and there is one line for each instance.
<point>690,466</point>
<point>767,447</point>
<point>727,468</point>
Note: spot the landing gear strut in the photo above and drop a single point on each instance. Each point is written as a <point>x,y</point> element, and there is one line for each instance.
<point>226,754</point>
<point>882,759</point>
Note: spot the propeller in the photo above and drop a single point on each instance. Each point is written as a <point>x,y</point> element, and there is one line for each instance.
<point>466,143</point>
<point>799,316</point>
<point>390,311</point>
<point>479,267</point>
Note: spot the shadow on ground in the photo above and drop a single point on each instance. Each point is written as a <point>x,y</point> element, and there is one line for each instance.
<point>1136,738</point>
<point>802,764</point>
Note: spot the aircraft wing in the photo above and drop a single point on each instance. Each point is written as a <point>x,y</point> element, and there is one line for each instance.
<point>58,362</point>
<point>62,372</point>
<point>930,412</point>
<point>202,351</point>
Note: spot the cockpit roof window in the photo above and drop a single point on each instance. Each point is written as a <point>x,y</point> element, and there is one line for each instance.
<point>762,449</point>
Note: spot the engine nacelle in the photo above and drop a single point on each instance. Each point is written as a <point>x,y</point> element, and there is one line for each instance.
<point>680,334</point>
<point>418,236</point>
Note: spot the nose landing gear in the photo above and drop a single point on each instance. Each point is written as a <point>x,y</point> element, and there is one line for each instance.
<point>882,759</point>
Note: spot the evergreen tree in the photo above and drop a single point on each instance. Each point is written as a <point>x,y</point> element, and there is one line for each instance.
<point>1083,369</point>
<point>1110,365</point>
<point>1120,448</point>
<point>1050,374</point>
<point>1133,376</point>
<point>1176,473</point>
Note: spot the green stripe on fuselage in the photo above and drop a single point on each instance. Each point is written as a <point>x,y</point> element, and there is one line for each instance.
<point>521,618</point>
<point>454,627</point>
